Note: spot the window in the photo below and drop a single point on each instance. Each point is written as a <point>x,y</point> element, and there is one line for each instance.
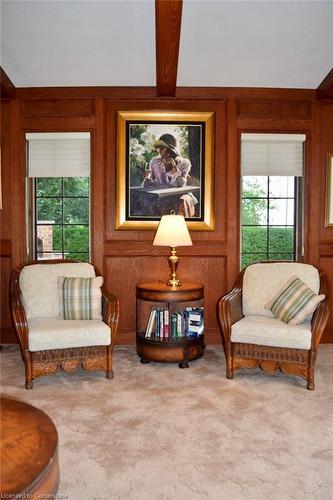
<point>271,224</point>
<point>268,218</point>
<point>59,192</point>
<point>62,218</point>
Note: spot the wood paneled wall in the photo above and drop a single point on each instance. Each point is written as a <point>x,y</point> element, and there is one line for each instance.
<point>128,257</point>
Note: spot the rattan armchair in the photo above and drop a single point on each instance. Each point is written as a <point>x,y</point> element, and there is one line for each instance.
<point>93,354</point>
<point>288,355</point>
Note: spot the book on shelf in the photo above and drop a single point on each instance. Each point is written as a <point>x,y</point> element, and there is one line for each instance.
<point>166,329</point>
<point>151,323</point>
<point>194,321</point>
<point>162,325</point>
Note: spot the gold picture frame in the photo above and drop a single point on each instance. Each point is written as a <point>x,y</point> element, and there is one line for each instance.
<point>148,185</point>
<point>329,192</point>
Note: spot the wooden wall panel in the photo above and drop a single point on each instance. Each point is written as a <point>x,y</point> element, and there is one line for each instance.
<point>128,257</point>
<point>6,323</point>
<point>326,233</point>
<point>6,331</point>
<point>5,215</point>
<point>58,107</point>
<point>123,273</point>
<point>325,237</point>
<point>326,264</point>
<point>273,108</point>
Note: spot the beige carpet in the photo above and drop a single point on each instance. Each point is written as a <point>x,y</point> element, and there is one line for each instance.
<point>158,432</point>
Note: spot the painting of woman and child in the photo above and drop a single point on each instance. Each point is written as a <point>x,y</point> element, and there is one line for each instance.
<point>164,165</point>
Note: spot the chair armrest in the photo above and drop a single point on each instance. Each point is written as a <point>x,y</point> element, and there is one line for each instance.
<point>18,312</point>
<point>110,313</point>
<point>229,312</point>
<point>319,321</point>
<point>321,314</point>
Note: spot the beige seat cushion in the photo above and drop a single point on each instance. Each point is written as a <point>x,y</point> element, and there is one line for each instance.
<point>262,282</point>
<point>272,332</point>
<point>47,334</point>
<point>39,286</point>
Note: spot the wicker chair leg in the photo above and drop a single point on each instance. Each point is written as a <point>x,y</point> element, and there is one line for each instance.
<point>230,370</point>
<point>229,361</point>
<point>310,385</point>
<point>311,364</point>
<point>28,370</point>
<point>109,372</point>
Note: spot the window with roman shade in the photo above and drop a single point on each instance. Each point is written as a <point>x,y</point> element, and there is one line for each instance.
<point>58,171</point>
<point>272,199</point>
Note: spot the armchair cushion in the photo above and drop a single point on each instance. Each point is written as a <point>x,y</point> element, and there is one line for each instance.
<point>39,286</point>
<point>262,281</point>
<point>81,298</point>
<point>294,302</point>
<point>272,332</point>
<point>45,334</point>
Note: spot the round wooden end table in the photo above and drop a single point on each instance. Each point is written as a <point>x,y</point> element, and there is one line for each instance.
<point>167,350</point>
<point>28,451</point>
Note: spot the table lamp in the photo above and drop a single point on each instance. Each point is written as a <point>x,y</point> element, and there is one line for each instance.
<point>172,232</point>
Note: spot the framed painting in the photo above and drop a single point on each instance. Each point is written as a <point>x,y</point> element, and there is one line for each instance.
<point>164,165</point>
<point>329,192</point>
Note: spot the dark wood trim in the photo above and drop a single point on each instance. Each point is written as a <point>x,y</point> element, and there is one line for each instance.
<point>7,88</point>
<point>325,89</point>
<point>8,336</point>
<point>5,248</point>
<point>168,17</point>
<point>191,93</point>
<point>327,337</point>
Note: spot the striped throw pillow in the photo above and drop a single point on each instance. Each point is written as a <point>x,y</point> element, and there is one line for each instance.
<point>82,297</point>
<point>294,302</point>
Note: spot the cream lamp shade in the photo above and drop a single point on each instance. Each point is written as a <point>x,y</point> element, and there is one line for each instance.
<point>172,232</point>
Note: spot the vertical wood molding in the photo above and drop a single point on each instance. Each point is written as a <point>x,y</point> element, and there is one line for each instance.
<point>168,15</point>
<point>313,188</point>
<point>98,191</point>
<point>17,172</point>
<point>233,190</point>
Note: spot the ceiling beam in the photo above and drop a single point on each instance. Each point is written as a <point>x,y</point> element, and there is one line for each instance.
<point>7,88</point>
<point>168,16</point>
<point>325,89</point>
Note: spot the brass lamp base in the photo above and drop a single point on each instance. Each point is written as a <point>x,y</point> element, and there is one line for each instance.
<point>173,264</point>
<point>174,283</point>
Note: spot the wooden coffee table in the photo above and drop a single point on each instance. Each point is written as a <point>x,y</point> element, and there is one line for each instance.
<point>28,451</point>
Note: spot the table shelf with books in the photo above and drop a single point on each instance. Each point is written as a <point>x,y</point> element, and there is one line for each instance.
<point>170,322</point>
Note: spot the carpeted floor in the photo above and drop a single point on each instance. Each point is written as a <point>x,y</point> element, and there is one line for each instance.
<point>158,432</point>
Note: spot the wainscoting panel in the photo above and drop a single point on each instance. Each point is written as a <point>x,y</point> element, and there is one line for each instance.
<point>123,273</point>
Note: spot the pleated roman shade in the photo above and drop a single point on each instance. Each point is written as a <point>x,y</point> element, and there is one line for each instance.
<point>272,154</point>
<point>65,154</point>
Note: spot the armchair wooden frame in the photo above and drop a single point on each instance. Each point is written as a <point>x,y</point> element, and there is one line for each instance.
<point>291,361</point>
<point>47,362</point>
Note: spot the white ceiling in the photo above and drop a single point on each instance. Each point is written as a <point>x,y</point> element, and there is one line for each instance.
<point>286,44</point>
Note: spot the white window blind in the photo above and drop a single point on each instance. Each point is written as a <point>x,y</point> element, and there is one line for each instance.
<point>272,154</point>
<point>65,154</point>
